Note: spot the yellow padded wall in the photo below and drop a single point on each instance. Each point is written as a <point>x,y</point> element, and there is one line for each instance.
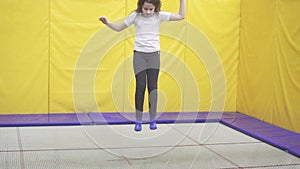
<point>24,57</point>
<point>42,56</point>
<point>269,64</point>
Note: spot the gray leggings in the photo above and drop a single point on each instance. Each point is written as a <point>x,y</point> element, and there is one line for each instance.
<point>146,69</point>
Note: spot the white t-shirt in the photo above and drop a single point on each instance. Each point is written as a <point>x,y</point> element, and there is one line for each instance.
<point>147,30</point>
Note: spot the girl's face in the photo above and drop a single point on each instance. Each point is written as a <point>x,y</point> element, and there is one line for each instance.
<point>148,9</point>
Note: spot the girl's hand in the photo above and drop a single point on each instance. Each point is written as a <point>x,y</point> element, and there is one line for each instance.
<point>113,26</point>
<point>103,20</point>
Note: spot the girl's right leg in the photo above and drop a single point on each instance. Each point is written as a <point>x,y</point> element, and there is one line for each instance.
<point>139,94</point>
<point>139,99</point>
<point>140,65</point>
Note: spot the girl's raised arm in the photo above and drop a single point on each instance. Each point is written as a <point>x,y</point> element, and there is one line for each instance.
<point>113,26</point>
<point>181,14</point>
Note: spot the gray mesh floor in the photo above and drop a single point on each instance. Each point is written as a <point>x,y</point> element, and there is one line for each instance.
<point>183,146</point>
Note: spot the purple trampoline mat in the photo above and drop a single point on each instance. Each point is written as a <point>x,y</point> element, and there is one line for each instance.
<point>284,139</point>
<point>44,119</point>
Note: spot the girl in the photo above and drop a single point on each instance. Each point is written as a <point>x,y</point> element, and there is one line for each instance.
<point>146,59</point>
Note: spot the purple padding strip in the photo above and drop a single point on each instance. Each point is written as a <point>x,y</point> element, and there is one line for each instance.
<point>294,150</point>
<point>247,123</point>
<point>273,135</point>
<point>189,117</point>
<point>44,119</point>
<point>232,115</point>
<point>168,117</point>
<point>111,118</point>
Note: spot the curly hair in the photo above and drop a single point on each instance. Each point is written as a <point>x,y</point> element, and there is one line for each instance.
<point>156,3</point>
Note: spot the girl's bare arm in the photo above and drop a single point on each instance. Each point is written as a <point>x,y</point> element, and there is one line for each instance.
<point>113,26</point>
<point>181,14</point>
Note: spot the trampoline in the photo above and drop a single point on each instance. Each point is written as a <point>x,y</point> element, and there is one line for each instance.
<point>233,141</point>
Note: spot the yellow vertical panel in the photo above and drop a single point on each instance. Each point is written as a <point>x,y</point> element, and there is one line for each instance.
<point>171,78</point>
<point>128,73</point>
<point>256,62</point>
<point>287,83</point>
<point>24,56</point>
<point>201,76</point>
<point>170,6</point>
<point>128,88</point>
<point>220,21</point>
<point>110,80</point>
<point>130,6</point>
<point>73,23</point>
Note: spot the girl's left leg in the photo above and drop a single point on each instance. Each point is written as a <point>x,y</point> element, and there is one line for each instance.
<point>152,75</point>
<point>152,81</point>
